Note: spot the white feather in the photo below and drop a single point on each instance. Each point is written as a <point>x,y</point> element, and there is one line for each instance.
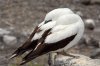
<point>43,28</point>
<point>38,35</point>
<point>58,28</point>
<point>48,25</point>
<point>61,34</point>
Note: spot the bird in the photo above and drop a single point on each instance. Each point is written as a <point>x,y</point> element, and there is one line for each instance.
<point>60,30</point>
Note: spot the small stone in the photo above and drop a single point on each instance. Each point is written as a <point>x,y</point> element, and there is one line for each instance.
<point>3,31</point>
<point>90,24</point>
<point>79,13</point>
<point>9,40</point>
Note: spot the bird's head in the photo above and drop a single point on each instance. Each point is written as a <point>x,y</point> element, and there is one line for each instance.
<point>56,13</point>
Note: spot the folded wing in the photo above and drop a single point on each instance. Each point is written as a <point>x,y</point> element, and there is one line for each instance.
<point>51,41</point>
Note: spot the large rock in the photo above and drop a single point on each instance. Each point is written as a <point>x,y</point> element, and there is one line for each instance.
<point>61,60</point>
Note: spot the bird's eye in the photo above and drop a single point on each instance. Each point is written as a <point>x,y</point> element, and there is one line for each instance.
<point>47,21</point>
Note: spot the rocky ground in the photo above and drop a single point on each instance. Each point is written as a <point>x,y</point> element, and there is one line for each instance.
<point>19,17</point>
<point>81,60</point>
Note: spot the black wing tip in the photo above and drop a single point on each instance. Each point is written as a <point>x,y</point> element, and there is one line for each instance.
<point>12,56</point>
<point>23,62</point>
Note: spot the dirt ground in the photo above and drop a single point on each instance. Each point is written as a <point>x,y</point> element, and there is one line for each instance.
<point>23,15</point>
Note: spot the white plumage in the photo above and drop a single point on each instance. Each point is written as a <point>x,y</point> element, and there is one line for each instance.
<point>54,15</point>
<point>64,25</point>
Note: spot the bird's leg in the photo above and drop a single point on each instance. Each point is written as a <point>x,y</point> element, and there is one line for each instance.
<point>51,58</point>
<point>66,54</point>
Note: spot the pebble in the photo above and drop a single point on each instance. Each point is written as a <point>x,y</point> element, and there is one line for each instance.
<point>79,13</point>
<point>3,32</point>
<point>9,40</point>
<point>90,24</point>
